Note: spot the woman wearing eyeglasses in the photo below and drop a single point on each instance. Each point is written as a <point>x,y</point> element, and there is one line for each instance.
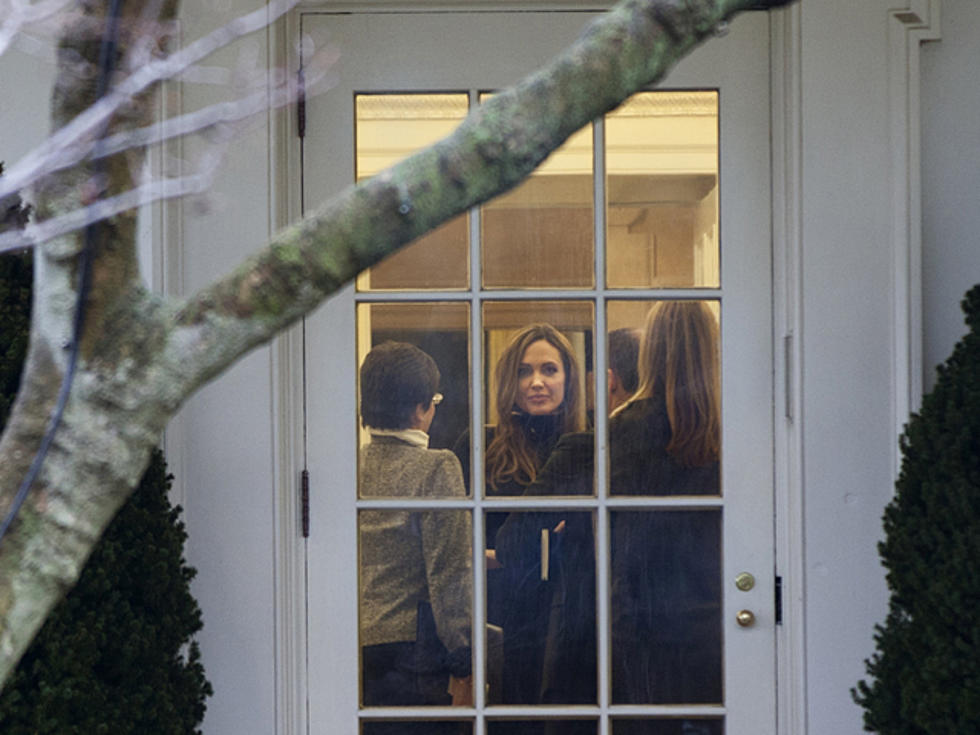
<point>416,570</point>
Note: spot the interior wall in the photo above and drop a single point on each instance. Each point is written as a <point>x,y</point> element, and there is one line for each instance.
<point>950,179</point>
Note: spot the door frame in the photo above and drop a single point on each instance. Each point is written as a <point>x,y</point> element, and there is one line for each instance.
<point>907,28</point>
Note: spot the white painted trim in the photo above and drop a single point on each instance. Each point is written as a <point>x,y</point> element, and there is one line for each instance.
<point>908,28</point>
<point>787,227</point>
<point>286,357</point>
<point>168,256</point>
<point>462,6</point>
<point>292,683</point>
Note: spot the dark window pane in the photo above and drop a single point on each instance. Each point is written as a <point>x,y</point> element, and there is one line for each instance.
<point>666,607</point>
<point>677,726</point>
<point>431,727</point>
<point>541,600</point>
<point>541,727</point>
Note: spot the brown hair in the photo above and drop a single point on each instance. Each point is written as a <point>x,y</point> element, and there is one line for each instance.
<point>509,456</point>
<point>396,378</point>
<point>679,361</point>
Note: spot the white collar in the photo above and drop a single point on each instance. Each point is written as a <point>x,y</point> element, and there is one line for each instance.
<point>416,437</point>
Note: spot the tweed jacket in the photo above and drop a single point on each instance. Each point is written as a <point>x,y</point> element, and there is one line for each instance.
<point>408,557</point>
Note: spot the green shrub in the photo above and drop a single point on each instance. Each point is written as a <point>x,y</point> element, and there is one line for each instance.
<point>117,655</point>
<point>925,673</point>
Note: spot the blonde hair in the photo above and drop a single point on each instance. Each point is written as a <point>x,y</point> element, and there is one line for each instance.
<point>510,456</point>
<point>680,363</point>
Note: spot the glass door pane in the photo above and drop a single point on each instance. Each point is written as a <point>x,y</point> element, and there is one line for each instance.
<point>665,581</point>
<point>388,128</point>
<point>666,437</point>
<point>669,726</point>
<point>662,191</point>
<point>441,330</point>
<point>540,234</point>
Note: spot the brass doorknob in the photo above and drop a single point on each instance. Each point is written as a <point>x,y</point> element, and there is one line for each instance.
<point>745,618</point>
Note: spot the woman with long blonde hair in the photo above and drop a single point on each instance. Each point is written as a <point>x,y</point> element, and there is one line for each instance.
<point>666,563</point>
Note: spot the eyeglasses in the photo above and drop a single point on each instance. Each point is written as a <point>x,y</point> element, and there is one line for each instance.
<point>437,399</point>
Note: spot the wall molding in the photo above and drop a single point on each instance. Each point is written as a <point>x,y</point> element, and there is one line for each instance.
<point>288,427</point>
<point>166,159</point>
<point>786,44</point>
<point>908,29</point>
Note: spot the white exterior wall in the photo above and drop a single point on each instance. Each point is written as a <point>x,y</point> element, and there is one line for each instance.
<point>847,351</point>
<point>950,178</point>
<point>220,448</point>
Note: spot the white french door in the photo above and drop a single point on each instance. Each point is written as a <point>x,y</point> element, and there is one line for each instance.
<point>667,199</point>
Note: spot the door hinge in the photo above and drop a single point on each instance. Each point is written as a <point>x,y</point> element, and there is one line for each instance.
<point>305,502</point>
<point>779,600</point>
<point>301,104</point>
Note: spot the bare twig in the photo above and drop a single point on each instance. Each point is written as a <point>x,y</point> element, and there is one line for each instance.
<point>19,14</point>
<point>226,117</point>
<point>76,140</point>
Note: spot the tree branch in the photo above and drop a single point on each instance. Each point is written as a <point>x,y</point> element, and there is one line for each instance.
<point>497,146</point>
<point>143,356</point>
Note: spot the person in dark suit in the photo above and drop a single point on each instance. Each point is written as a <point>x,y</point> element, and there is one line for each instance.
<point>666,564</point>
<point>538,399</point>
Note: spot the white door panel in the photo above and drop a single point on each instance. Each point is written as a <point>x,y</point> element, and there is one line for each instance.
<point>473,52</point>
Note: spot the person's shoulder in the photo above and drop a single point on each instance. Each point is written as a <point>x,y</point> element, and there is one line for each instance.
<point>444,471</point>
<point>632,412</point>
<point>642,409</point>
<point>441,456</point>
<point>643,416</point>
<point>577,438</point>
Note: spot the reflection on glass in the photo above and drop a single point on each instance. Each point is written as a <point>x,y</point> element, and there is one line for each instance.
<point>390,127</point>
<point>538,727</point>
<point>429,727</point>
<point>541,595</point>
<point>674,726</point>
<point>662,191</point>
<point>415,586</point>
<point>665,609</point>
<point>666,438</point>
<point>440,329</point>
<point>540,234</point>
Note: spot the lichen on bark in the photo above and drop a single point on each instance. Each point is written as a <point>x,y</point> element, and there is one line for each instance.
<point>143,356</point>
